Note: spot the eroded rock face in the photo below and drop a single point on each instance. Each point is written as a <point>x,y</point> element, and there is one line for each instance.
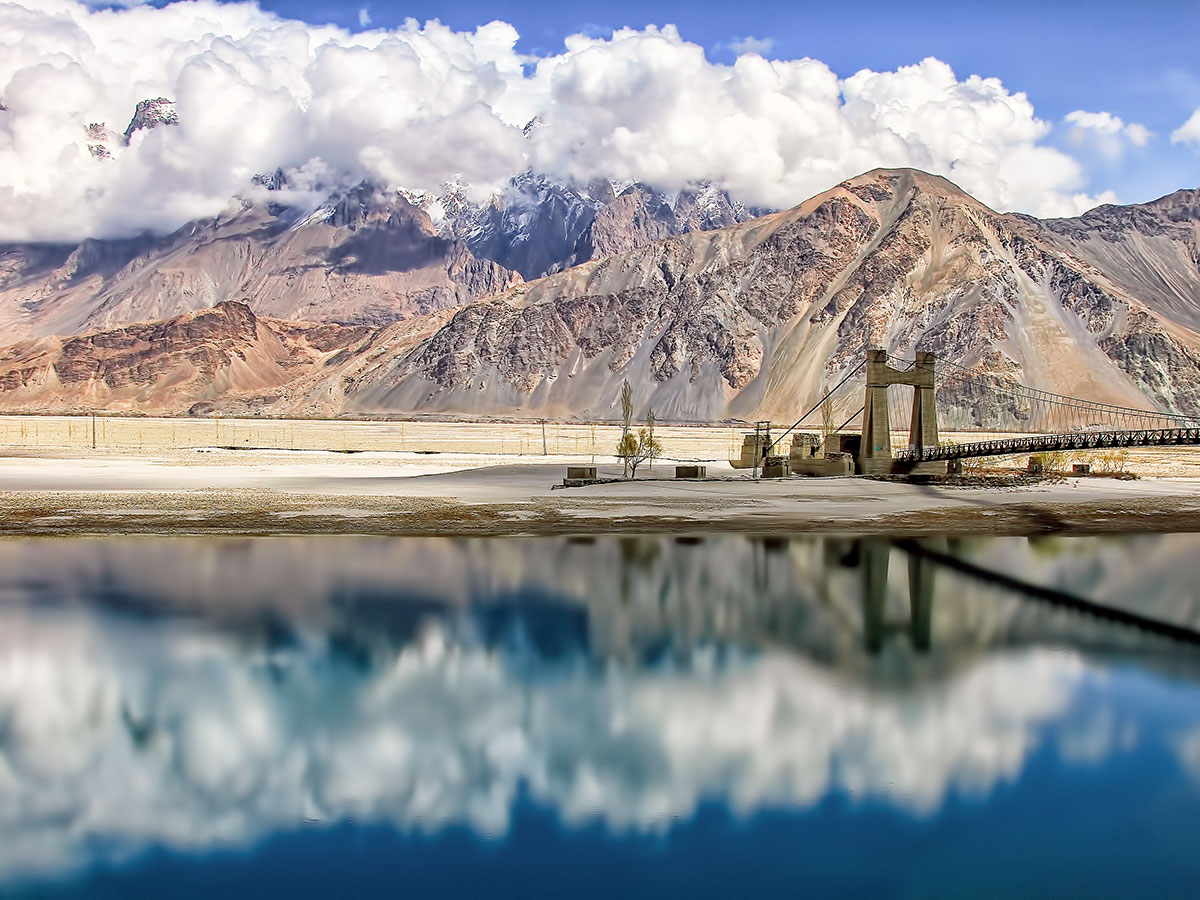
<point>538,224</point>
<point>150,114</point>
<point>756,320</point>
<point>224,359</point>
<point>365,257</point>
<point>1150,250</point>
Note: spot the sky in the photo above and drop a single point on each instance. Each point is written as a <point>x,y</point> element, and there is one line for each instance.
<point>1139,61</point>
<point>1041,108</point>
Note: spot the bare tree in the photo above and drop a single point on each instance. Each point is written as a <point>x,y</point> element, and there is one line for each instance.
<point>634,448</point>
<point>826,423</point>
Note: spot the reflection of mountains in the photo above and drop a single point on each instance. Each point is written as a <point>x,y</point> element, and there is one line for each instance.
<point>426,683</point>
<point>629,597</point>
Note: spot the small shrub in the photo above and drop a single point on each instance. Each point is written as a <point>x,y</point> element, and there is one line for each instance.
<point>1054,462</point>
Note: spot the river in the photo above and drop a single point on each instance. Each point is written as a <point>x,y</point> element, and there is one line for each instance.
<point>596,717</point>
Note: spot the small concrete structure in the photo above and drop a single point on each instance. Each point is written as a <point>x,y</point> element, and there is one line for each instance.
<point>1081,469</point>
<point>825,466</point>
<point>580,475</point>
<point>806,446</point>
<point>776,467</point>
<point>1034,466</point>
<point>691,471</point>
<point>809,457</point>
<point>753,445</point>
<point>843,443</point>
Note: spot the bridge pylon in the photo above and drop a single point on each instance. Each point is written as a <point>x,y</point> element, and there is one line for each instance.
<point>875,453</point>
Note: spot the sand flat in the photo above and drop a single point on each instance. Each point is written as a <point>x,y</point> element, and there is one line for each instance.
<point>267,492</point>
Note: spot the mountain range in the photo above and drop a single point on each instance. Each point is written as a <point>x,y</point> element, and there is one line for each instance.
<point>542,301</point>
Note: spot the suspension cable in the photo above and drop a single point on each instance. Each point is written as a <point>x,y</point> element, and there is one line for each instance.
<point>817,406</point>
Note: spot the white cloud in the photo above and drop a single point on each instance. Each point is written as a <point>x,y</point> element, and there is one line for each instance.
<point>364,17</point>
<point>750,44</point>
<point>1108,134</point>
<point>416,105</point>
<point>1188,132</point>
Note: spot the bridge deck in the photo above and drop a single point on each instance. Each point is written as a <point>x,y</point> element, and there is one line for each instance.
<point>1044,443</point>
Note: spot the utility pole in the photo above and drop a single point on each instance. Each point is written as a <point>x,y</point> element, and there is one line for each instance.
<point>544,453</point>
<point>761,433</point>
<point>93,430</point>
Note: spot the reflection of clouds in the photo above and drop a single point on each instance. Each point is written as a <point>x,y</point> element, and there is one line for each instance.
<point>1095,734</point>
<point>117,732</point>
<point>1187,748</point>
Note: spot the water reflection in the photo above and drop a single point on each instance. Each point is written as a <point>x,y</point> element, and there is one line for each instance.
<point>205,693</point>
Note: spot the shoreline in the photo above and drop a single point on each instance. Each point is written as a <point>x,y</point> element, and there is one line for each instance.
<point>243,512</point>
<point>212,491</point>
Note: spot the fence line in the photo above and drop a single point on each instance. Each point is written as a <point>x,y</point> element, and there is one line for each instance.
<point>705,442</point>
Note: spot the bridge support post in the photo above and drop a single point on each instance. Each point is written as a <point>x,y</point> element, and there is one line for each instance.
<point>924,431</point>
<point>875,456</point>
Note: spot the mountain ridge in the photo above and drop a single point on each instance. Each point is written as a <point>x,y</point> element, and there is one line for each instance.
<point>755,319</point>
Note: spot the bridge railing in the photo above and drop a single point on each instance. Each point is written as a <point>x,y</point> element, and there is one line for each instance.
<point>1046,443</point>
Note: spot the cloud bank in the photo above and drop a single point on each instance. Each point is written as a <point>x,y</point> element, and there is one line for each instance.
<point>418,105</point>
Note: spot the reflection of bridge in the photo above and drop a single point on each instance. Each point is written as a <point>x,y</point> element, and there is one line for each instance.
<point>963,399</point>
<point>924,556</point>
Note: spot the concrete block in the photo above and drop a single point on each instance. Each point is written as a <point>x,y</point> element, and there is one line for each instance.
<point>776,467</point>
<point>1034,467</point>
<point>754,448</point>
<point>844,443</point>
<point>1081,469</point>
<point>825,467</point>
<point>581,473</point>
<point>691,471</point>
<point>806,446</point>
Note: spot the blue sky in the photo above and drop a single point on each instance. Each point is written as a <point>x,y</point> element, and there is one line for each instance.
<point>1139,61</point>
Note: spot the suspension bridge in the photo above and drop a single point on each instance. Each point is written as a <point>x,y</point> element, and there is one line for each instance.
<point>947,396</point>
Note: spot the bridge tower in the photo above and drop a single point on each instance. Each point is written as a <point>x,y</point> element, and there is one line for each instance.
<point>875,455</point>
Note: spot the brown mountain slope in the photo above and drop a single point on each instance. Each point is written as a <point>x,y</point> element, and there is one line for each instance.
<point>369,258</point>
<point>756,319</point>
<point>220,359</point>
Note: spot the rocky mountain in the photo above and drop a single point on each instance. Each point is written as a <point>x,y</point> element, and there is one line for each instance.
<point>224,358</point>
<point>756,319</point>
<point>363,254</point>
<point>150,114</point>
<point>538,225</point>
<point>1151,250</point>
<point>367,256</point>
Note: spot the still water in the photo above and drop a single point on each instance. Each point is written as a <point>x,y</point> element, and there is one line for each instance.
<point>717,717</point>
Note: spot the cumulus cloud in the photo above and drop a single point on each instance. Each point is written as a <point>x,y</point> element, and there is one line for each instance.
<point>1107,133</point>
<point>364,17</point>
<point>750,44</point>
<point>1188,132</point>
<point>130,732</point>
<point>417,105</point>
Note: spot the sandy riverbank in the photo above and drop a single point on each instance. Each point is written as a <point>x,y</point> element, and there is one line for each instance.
<point>290,492</point>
